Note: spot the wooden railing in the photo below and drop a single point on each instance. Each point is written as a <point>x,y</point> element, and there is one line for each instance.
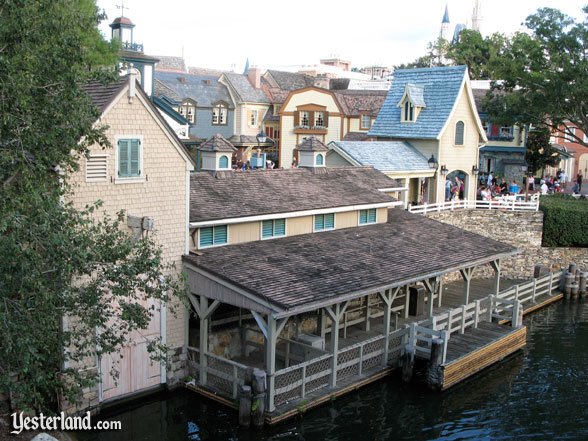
<point>510,204</point>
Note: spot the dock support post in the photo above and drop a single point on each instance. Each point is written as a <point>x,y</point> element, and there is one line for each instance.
<point>569,280</point>
<point>517,314</point>
<point>387,297</point>
<point>440,293</point>
<point>273,329</point>
<point>582,283</point>
<point>245,406</point>
<point>259,397</point>
<point>495,264</point>
<point>406,301</point>
<point>335,315</point>
<point>367,313</point>
<point>204,311</point>
<point>434,376</point>
<point>407,363</point>
<point>322,324</point>
<point>431,286</point>
<point>466,273</point>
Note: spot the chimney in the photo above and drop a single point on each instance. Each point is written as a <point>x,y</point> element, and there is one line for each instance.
<point>254,76</point>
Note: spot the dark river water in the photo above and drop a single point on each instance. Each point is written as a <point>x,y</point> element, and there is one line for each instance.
<point>540,393</point>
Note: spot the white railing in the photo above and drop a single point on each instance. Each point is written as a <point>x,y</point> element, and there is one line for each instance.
<point>510,204</point>
<point>225,375</point>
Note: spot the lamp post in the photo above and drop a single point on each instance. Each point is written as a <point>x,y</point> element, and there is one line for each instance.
<point>525,169</point>
<point>434,164</point>
<point>261,138</point>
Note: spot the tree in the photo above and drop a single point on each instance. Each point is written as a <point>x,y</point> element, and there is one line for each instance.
<point>540,153</point>
<point>476,52</point>
<point>63,272</point>
<point>544,75</point>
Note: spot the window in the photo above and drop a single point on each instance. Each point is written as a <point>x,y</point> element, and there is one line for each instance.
<point>277,109</point>
<point>96,168</point>
<point>319,119</point>
<point>486,127</point>
<point>366,121</point>
<point>408,111</point>
<point>212,236</point>
<point>324,222</point>
<point>459,132</point>
<point>223,162</point>
<point>367,216</point>
<point>129,158</point>
<point>219,115</point>
<point>273,228</point>
<point>253,118</point>
<point>505,132</point>
<point>320,160</point>
<point>188,111</point>
<point>569,136</point>
<point>304,118</point>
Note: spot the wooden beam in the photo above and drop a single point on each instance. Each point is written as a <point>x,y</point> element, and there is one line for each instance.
<point>495,264</point>
<point>466,273</point>
<point>386,297</point>
<point>260,322</point>
<point>335,316</point>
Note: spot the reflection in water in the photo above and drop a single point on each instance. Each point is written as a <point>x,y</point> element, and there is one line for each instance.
<point>539,393</point>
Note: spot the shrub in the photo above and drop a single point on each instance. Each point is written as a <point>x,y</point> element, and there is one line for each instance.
<point>565,221</point>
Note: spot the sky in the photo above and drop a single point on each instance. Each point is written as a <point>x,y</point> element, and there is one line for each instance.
<point>274,33</point>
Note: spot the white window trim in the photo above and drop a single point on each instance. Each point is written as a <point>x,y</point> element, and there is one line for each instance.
<point>464,133</point>
<point>414,113</point>
<point>198,247</point>
<point>133,179</point>
<point>274,224</point>
<point>324,229</point>
<point>361,126</point>
<point>359,224</point>
<point>256,123</point>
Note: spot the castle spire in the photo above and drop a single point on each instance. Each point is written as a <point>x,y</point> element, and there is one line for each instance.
<point>446,15</point>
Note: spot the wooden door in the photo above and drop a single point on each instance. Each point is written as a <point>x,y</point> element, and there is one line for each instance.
<point>136,370</point>
<point>583,165</point>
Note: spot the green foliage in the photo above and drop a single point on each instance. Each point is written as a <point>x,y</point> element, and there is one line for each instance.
<point>540,153</point>
<point>63,271</point>
<point>545,74</point>
<point>565,221</point>
<point>476,52</point>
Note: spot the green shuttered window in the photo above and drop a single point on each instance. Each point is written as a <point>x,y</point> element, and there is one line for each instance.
<point>324,222</point>
<point>273,228</point>
<point>211,236</point>
<point>128,158</point>
<point>367,216</point>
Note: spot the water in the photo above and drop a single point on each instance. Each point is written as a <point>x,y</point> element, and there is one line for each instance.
<point>538,394</point>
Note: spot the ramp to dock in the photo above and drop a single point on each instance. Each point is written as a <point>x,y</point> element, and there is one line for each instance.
<point>478,348</point>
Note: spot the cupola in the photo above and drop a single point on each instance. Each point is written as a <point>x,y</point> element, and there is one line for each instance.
<point>313,153</point>
<point>217,154</point>
<point>122,29</point>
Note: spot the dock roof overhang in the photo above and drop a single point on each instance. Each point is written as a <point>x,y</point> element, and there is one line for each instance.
<point>296,274</point>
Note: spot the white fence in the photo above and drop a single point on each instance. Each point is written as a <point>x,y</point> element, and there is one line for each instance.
<point>510,204</point>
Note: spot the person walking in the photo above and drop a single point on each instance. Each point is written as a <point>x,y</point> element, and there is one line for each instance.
<point>579,180</point>
<point>490,179</point>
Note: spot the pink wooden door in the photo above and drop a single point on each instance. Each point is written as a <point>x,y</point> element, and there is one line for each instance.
<point>136,370</point>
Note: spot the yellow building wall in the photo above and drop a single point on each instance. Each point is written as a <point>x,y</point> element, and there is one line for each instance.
<point>247,128</point>
<point>162,196</point>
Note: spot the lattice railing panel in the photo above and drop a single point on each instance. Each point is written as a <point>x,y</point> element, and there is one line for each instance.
<point>394,355</point>
<point>315,368</point>
<point>371,363</point>
<point>221,384</point>
<point>373,346</point>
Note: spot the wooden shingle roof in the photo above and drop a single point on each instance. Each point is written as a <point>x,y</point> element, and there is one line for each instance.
<point>217,143</point>
<point>261,192</point>
<point>298,271</point>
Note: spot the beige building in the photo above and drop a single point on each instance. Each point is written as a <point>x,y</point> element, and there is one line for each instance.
<point>146,173</point>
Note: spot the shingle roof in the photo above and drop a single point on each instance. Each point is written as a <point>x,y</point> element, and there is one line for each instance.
<point>160,89</point>
<point>355,136</point>
<point>291,81</point>
<point>304,269</point>
<point>204,71</point>
<point>217,143</point>
<point>269,115</point>
<point>170,63</point>
<point>416,92</point>
<point>205,90</point>
<point>244,89</point>
<point>102,94</point>
<point>385,155</point>
<point>257,192</point>
<point>441,88</point>
<point>353,102</point>
<point>312,144</point>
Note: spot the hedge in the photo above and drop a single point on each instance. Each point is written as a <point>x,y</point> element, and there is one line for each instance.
<point>565,221</point>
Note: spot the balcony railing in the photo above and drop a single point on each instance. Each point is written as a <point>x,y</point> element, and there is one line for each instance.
<point>138,47</point>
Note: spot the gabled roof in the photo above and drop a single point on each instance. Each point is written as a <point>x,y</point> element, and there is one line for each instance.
<point>415,93</point>
<point>205,90</point>
<point>289,81</point>
<point>264,192</point>
<point>217,143</point>
<point>385,156</point>
<point>204,71</point>
<point>306,270</point>
<point>171,63</point>
<point>105,96</point>
<point>312,144</point>
<point>442,87</point>
<point>355,102</point>
<point>355,136</point>
<point>245,91</point>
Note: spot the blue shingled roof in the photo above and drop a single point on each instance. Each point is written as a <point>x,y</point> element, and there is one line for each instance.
<point>441,88</point>
<point>384,155</point>
<point>416,92</point>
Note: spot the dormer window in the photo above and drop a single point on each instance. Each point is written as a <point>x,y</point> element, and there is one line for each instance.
<point>412,102</point>
<point>223,162</point>
<point>408,111</point>
<point>188,111</point>
<point>320,160</point>
<point>219,114</point>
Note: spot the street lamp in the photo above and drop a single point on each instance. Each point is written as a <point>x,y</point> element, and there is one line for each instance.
<point>475,170</point>
<point>261,138</point>
<point>444,170</point>
<point>433,163</point>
